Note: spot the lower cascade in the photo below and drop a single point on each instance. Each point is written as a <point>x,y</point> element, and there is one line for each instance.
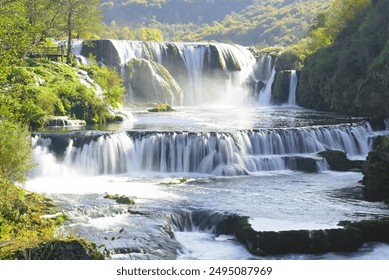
<point>229,154</point>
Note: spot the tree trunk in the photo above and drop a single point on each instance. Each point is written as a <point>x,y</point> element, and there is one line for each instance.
<point>69,49</point>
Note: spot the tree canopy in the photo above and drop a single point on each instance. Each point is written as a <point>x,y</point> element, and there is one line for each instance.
<point>248,22</point>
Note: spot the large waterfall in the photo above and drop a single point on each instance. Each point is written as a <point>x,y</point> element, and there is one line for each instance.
<point>211,73</point>
<point>239,153</point>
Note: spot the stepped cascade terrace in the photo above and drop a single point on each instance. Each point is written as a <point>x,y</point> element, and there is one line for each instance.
<point>228,149</point>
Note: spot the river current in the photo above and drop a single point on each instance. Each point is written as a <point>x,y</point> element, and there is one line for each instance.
<point>168,199</point>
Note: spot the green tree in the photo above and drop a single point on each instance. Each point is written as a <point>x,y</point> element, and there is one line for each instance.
<point>14,36</point>
<point>151,34</point>
<point>15,151</point>
<point>44,16</point>
<point>81,17</point>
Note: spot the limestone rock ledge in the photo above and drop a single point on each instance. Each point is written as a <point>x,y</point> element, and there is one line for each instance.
<point>347,238</point>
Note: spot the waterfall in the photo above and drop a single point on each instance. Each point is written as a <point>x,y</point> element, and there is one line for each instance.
<point>231,154</point>
<point>386,122</point>
<point>292,88</point>
<point>208,73</point>
<point>194,59</point>
<point>266,75</point>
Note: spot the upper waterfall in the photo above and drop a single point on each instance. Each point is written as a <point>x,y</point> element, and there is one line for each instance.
<point>208,73</point>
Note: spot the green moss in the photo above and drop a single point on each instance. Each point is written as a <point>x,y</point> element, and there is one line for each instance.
<point>44,88</point>
<point>120,199</point>
<point>28,223</point>
<point>151,82</point>
<point>176,181</point>
<point>161,108</point>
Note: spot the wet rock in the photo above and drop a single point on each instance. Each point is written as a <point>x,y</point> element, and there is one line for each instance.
<point>376,172</point>
<point>265,243</point>
<point>161,108</point>
<point>303,164</point>
<point>280,88</point>
<point>338,161</point>
<point>104,51</point>
<point>120,199</point>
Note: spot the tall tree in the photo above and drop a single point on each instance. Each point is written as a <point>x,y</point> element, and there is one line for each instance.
<point>14,35</point>
<point>81,17</point>
<point>44,16</point>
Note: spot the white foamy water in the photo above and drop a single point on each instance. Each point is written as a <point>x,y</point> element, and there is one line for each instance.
<point>139,164</point>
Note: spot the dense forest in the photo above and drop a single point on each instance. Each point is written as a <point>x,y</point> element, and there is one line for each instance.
<point>247,22</point>
<point>349,72</point>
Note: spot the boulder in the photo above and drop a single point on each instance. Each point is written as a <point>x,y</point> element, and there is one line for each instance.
<point>376,172</point>
<point>120,199</point>
<point>161,108</point>
<point>338,161</point>
<point>148,81</point>
<point>104,51</point>
<point>280,87</point>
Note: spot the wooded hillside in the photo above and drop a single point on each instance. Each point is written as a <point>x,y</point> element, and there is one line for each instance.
<point>247,22</point>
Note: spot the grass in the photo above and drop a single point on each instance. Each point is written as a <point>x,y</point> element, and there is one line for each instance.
<point>28,223</point>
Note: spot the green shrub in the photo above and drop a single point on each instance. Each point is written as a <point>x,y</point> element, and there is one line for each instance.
<point>15,151</point>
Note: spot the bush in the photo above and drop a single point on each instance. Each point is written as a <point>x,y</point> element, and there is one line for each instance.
<point>15,151</point>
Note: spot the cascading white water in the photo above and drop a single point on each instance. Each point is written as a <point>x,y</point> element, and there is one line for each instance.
<point>236,62</point>
<point>228,154</point>
<point>193,57</point>
<point>292,88</point>
<point>76,51</point>
<point>386,121</point>
<point>268,73</point>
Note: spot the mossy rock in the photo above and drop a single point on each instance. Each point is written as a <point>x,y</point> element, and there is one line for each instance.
<point>338,161</point>
<point>61,250</point>
<point>370,230</point>
<point>376,172</point>
<point>280,87</point>
<point>148,81</point>
<point>161,108</point>
<point>120,199</point>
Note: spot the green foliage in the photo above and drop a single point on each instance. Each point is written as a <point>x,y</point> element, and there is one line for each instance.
<point>15,151</point>
<point>21,224</point>
<point>14,36</point>
<point>349,71</point>
<point>110,81</point>
<point>43,88</point>
<point>28,224</point>
<point>248,22</point>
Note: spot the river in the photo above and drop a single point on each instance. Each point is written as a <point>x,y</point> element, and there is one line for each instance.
<point>200,162</point>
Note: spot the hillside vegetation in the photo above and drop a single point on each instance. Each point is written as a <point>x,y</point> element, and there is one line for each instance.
<point>350,72</point>
<point>247,22</point>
